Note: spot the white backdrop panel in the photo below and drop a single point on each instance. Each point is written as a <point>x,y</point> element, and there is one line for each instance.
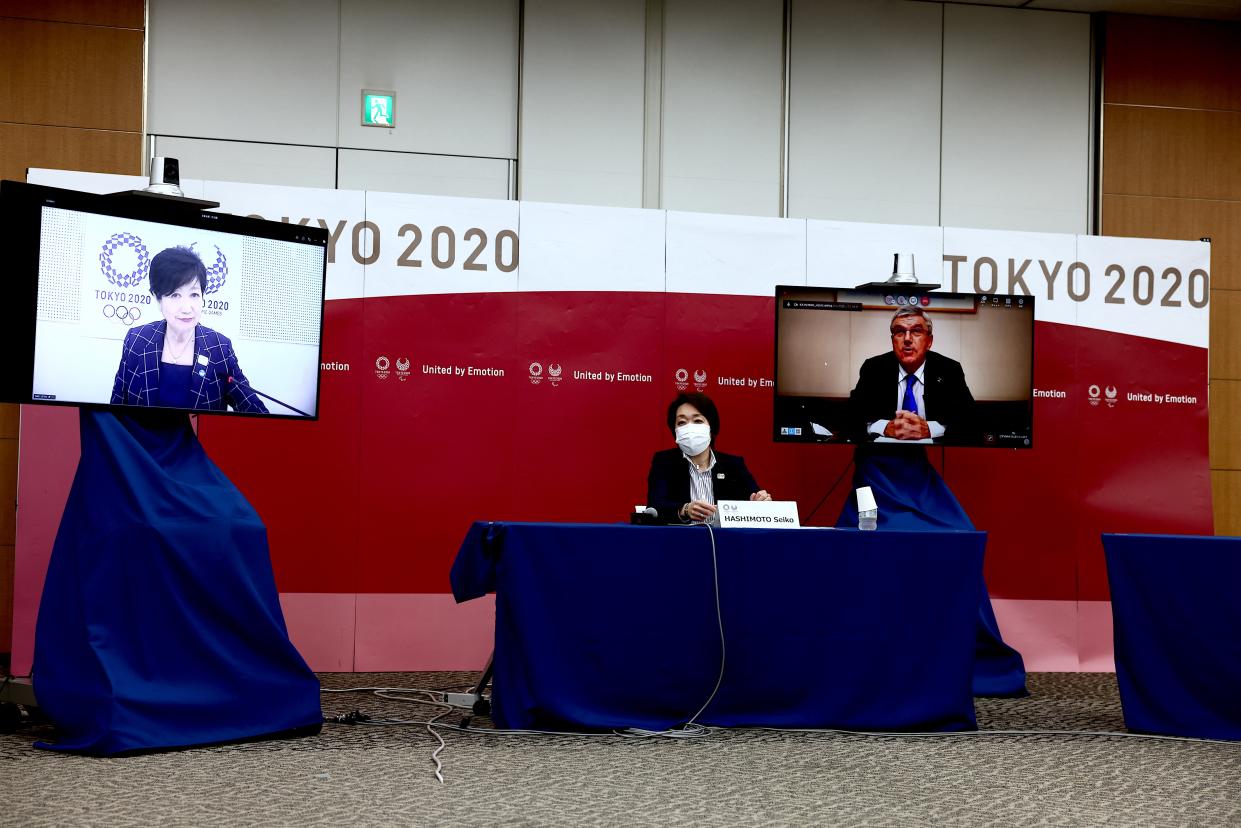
<point>1037,261</point>
<point>1147,287</point>
<point>847,254</point>
<point>99,182</point>
<point>337,211</point>
<point>426,244</point>
<point>744,256</point>
<point>570,247</point>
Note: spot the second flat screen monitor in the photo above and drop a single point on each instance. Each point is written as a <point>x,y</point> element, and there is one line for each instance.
<point>843,359</point>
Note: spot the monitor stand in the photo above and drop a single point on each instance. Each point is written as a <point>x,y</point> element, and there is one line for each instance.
<point>164,199</point>
<point>907,287</point>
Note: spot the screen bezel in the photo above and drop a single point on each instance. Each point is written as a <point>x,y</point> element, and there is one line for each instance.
<point>777,437</point>
<point>21,214</point>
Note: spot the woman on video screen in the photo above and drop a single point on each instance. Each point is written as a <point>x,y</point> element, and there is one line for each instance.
<point>177,362</point>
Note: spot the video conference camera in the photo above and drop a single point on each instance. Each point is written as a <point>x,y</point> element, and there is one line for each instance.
<point>165,176</point>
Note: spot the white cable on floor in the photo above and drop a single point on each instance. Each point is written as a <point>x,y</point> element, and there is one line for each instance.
<point>691,729</point>
<point>491,731</point>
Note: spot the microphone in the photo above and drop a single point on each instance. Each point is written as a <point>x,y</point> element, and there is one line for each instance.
<point>233,381</point>
<point>217,372</point>
<point>644,516</point>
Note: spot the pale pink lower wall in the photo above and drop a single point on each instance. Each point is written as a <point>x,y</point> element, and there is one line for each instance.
<point>1058,636</point>
<point>383,632</point>
<point>431,632</point>
<point>386,633</point>
<point>47,459</point>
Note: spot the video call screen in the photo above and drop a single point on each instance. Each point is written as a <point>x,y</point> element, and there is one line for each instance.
<point>157,305</point>
<point>844,360</point>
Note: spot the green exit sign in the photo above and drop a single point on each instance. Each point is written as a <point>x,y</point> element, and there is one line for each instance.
<point>378,108</point>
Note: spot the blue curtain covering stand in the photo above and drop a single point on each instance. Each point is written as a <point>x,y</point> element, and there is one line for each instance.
<point>160,625</point>
<point>912,496</point>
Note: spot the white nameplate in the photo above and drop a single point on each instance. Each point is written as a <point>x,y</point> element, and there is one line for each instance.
<point>759,514</point>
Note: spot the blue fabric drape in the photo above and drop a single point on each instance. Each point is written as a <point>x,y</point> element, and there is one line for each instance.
<point>160,625</point>
<point>912,496</point>
<point>1177,629</point>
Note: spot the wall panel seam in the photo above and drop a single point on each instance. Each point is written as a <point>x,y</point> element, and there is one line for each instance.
<point>73,23</point>
<point>1171,197</point>
<point>331,147</point>
<point>76,128</point>
<point>1172,108</point>
<point>1175,198</point>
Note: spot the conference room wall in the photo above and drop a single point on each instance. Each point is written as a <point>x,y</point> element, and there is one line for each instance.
<point>254,163</point>
<point>1171,123</point>
<point>290,72</point>
<point>665,103</point>
<point>864,111</point>
<point>583,84</point>
<point>72,98</point>
<point>331,167</point>
<point>722,68</point>
<point>1016,120</point>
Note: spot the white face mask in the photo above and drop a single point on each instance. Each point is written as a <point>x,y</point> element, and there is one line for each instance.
<point>693,438</point>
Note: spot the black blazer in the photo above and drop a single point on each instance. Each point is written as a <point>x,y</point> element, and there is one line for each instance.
<point>946,396</point>
<point>667,484</point>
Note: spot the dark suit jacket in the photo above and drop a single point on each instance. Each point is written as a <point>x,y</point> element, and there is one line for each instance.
<point>946,397</point>
<point>137,377</point>
<point>667,484</point>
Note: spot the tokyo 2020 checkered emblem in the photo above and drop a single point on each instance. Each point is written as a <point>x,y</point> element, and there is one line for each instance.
<point>217,273</point>
<point>107,255</point>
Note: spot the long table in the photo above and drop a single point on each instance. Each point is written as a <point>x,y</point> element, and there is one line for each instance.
<point>615,626</point>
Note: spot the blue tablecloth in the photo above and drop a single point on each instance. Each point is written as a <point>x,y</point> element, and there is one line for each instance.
<point>1177,628</point>
<point>160,625</point>
<point>601,627</point>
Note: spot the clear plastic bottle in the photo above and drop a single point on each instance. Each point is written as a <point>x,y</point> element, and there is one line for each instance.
<point>868,520</point>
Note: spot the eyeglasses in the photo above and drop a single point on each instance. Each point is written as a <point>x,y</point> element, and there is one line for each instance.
<point>916,333</point>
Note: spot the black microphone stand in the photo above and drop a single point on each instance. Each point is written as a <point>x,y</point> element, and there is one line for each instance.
<point>233,381</point>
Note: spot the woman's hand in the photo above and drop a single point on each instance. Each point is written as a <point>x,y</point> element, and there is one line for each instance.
<point>761,494</point>
<point>697,510</point>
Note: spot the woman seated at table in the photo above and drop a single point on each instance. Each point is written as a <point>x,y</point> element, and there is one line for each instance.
<point>685,482</point>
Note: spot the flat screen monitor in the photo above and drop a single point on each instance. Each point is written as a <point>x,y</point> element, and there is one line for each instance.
<point>903,367</point>
<point>139,301</point>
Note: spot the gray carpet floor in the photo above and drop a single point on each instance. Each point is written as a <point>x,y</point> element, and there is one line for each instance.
<point>383,775</point>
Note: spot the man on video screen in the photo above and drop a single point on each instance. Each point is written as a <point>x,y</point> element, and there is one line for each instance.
<point>912,392</point>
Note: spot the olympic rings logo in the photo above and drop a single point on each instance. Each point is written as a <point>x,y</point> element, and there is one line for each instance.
<point>121,313</point>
